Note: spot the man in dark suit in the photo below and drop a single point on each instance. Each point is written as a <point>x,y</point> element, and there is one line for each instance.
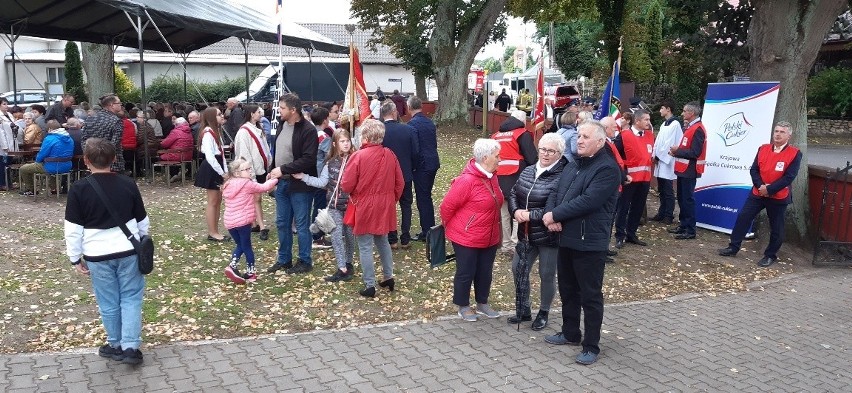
<point>401,139</point>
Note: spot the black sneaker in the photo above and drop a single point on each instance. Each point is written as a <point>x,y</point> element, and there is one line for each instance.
<point>132,356</point>
<point>108,351</point>
<point>264,234</point>
<point>339,275</point>
<point>276,267</point>
<point>300,267</point>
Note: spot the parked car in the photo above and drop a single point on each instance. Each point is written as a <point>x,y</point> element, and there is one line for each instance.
<point>564,94</point>
<point>27,97</point>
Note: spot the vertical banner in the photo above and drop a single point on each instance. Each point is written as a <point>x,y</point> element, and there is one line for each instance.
<point>737,118</point>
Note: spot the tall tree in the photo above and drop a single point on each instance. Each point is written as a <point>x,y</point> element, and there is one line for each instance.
<point>74,72</point>
<point>577,48</point>
<point>784,39</point>
<point>453,32</point>
<point>98,64</point>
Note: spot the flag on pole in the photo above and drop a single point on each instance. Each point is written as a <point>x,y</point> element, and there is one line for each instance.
<point>538,114</point>
<point>355,102</point>
<point>610,99</point>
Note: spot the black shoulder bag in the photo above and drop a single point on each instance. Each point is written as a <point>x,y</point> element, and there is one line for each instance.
<point>144,246</point>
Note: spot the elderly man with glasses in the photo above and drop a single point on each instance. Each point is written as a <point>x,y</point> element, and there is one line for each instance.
<point>105,123</point>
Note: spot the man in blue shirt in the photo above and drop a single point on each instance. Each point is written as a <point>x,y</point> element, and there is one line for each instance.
<point>427,166</point>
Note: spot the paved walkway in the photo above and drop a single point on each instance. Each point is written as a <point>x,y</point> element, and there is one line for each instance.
<point>788,335</point>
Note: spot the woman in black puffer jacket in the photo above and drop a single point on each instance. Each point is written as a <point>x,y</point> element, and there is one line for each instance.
<point>526,204</point>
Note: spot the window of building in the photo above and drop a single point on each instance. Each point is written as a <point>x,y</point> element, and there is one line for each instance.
<point>56,75</point>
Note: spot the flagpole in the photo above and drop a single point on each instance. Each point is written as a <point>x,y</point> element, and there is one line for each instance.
<point>612,77</point>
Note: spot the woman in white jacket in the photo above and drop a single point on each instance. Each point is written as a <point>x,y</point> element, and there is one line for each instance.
<point>250,144</point>
<point>8,142</point>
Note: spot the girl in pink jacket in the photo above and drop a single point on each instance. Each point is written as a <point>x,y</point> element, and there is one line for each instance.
<point>239,191</point>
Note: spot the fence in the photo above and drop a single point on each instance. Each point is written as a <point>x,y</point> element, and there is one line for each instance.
<point>833,246</point>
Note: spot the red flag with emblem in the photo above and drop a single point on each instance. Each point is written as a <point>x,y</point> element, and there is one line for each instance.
<point>356,101</point>
<point>538,114</point>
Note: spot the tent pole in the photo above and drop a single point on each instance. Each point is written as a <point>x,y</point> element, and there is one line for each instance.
<point>142,97</point>
<point>184,56</point>
<point>12,38</point>
<point>311,70</point>
<point>245,43</point>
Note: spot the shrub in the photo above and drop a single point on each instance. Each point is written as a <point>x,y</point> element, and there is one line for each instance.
<point>169,88</point>
<point>829,92</point>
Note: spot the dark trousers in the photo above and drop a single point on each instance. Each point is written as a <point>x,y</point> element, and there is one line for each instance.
<point>473,265</point>
<point>667,198</point>
<point>752,207</point>
<point>686,201</point>
<point>631,205</point>
<point>423,183</point>
<point>580,275</point>
<point>405,208</point>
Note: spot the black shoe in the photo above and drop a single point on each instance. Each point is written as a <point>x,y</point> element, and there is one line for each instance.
<point>609,260</point>
<point>667,221</point>
<point>766,261</point>
<point>619,243</point>
<point>514,319</point>
<point>264,234</point>
<point>635,240</point>
<point>368,292</point>
<point>676,230</point>
<point>339,275</point>
<point>611,253</point>
<point>131,356</point>
<point>107,351</point>
<point>300,267</point>
<point>255,228</point>
<point>656,218</point>
<point>350,268</point>
<point>276,267</point>
<point>728,252</point>
<point>540,321</point>
<point>684,236</point>
<point>389,284</point>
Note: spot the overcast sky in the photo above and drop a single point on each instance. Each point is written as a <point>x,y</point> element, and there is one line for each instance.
<point>337,11</point>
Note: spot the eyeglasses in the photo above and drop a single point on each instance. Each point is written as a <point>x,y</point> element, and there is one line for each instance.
<point>547,152</point>
<point>244,169</point>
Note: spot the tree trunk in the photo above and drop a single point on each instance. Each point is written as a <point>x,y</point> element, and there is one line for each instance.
<point>98,65</point>
<point>453,49</point>
<point>784,39</point>
<point>420,87</point>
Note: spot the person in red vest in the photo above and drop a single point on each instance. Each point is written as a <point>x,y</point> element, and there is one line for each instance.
<point>774,169</point>
<point>517,151</point>
<point>689,165</point>
<point>611,127</point>
<point>635,146</point>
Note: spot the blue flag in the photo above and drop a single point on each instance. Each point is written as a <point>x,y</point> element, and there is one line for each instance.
<point>610,99</point>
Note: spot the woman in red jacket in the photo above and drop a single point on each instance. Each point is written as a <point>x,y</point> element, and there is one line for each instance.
<point>471,215</point>
<point>374,182</point>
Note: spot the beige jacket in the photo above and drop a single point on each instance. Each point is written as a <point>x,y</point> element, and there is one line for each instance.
<point>245,147</point>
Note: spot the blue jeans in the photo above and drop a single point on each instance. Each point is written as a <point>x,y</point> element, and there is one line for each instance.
<point>290,207</point>
<point>118,287</point>
<point>242,238</point>
<point>368,266</point>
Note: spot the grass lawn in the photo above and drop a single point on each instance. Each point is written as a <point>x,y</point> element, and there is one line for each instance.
<point>47,306</point>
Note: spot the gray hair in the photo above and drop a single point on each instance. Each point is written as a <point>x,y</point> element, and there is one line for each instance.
<point>415,103</point>
<point>387,108</point>
<point>598,130</point>
<point>520,115</point>
<point>74,122</point>
<point>180,120</point>
<point>554,139</point>
<point>483,147</point>
<point>373,131</point>
<point>585,115</point>
<point>785,124</point>
<point>694,107</point>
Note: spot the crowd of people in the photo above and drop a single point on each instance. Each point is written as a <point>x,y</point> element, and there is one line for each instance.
<point>559,202</point>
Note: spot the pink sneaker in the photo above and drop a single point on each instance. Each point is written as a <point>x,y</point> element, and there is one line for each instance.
<point>251,277</point>
<point>234,275</point>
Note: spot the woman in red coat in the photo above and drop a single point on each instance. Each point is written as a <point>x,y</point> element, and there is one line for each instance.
<point>373,179</point>
<point>471,215</point>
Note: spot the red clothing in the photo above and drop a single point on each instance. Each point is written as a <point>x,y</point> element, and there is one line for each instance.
<point>374,182</point>
<point>179,138</point>
<point>128,136</point>
<point>637,152</point>
<point>471,209</point>
<point>682,164</point>
<point>772,167</point>
<point>510,151</point>
<point>238,193</point>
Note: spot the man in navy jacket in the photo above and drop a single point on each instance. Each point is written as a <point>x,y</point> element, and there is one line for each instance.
<point>427,167</point>
<point>401,139</point>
